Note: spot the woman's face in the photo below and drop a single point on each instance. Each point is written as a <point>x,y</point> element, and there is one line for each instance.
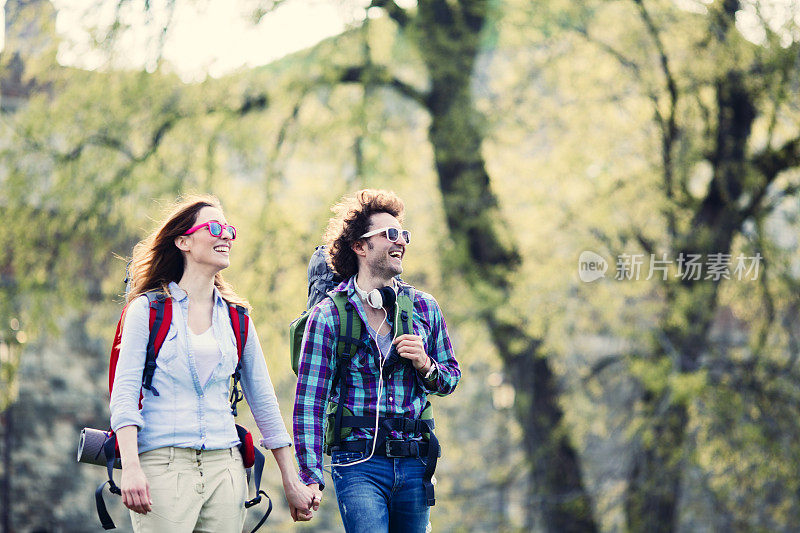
<point>203,248</point>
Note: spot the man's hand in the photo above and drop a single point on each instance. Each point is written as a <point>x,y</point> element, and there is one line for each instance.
<point>411,347</point>
<point>316,496</point>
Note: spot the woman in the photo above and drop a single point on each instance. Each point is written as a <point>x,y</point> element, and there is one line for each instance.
<point>181,468</point>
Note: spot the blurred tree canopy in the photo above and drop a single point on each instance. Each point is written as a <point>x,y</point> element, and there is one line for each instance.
<point>519,134</point>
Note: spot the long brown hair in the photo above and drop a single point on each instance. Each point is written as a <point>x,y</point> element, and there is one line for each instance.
<point>351,220</point>
<point>156,260</point>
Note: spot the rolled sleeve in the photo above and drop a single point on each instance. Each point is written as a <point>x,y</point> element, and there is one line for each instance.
<point>124,402</point>
<point>260,394</point>
<point>440,350</point>
<point>315,373</point>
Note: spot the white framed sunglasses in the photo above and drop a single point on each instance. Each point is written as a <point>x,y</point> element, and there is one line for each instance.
<point>393,234</point>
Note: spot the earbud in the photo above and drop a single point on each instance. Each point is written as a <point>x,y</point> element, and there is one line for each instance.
<point>380,298</point>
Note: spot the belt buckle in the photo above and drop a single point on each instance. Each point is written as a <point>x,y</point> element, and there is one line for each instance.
<point>389,443</point>
<point>412,445</point>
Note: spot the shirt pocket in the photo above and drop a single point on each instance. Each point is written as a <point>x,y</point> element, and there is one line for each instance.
<point>166,361</point>
<point>229,356</point>
<point>168,353</point>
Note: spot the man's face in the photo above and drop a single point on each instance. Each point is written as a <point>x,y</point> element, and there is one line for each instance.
<point>384,259</point>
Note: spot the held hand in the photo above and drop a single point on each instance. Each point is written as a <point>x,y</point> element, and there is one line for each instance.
<point>300,515</point>
<point>300,501</point>
<point>411,347</point>
<point>316,496</point>
<point>135,490</point>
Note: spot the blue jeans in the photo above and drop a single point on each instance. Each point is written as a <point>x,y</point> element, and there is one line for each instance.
<point>380,495</point>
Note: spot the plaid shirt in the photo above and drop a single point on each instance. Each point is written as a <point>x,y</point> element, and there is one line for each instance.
<point>405,392</point>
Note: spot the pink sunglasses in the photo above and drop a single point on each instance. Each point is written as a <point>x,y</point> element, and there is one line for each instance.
<point>215,228</point>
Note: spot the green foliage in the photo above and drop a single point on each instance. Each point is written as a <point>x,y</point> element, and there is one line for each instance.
<point>572,109</point>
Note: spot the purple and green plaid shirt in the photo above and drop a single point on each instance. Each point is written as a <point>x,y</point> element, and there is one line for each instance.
<point>405,392</point>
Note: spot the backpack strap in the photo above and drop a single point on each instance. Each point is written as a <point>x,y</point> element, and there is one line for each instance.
<point>349,341</point>
<point>160,320</point>
<point>403,324</point>
<point>258,470</point>
<point>346,348</point>
<point>240,321</point>
<point>102,512</point>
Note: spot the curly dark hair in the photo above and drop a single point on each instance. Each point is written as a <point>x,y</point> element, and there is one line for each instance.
<point>351,220</point>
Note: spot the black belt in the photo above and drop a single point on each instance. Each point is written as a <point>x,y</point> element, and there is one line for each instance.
<point>396,447</point>
<point>390,447</point>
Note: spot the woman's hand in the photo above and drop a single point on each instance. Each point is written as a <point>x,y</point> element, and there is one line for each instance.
<point>301,500</point>
<point>135,489</point>
<point>134,486</point>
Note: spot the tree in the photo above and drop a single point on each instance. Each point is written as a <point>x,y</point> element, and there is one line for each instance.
<point>722,103</point>
<point>448,36</point>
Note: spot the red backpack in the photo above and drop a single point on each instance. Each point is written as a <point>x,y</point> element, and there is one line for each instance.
<point>160,305</point>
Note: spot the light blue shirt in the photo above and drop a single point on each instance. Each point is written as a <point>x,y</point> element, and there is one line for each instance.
<point>187,414</point>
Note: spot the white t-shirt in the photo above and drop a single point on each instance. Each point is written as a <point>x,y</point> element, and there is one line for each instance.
<point>206,353</point>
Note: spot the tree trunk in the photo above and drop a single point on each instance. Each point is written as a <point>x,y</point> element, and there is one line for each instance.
<point>488,258</point>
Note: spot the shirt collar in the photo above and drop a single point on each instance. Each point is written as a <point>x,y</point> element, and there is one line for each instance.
<point>180,294</point>
<point>176,292</point>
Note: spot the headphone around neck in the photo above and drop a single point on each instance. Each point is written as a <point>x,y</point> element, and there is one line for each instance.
<point>380,298</point>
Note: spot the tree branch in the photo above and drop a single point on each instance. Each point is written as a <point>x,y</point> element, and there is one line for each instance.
<point>646,244</point>
<point>630,65</point>
<point>601,364</point>
<point>378,75</point>
<point>770,163</point>
<point>672,86</point>
<point>669,128</point>
<point>619,56</point>
<point>767,299</point>
<point>250,104</point>
<point>395,12</point>
<point>474,13</point>
<point>773,162</point>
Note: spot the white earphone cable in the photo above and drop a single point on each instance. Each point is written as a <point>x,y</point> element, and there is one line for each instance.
<point>382,359</point>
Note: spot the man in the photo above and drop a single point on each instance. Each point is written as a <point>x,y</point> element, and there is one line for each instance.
<point>383,483</point>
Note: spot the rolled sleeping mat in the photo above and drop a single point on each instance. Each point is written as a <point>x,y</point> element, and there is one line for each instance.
<point>91,447</point>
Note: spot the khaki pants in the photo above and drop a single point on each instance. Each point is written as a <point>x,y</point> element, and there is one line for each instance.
<point>193,490</point>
